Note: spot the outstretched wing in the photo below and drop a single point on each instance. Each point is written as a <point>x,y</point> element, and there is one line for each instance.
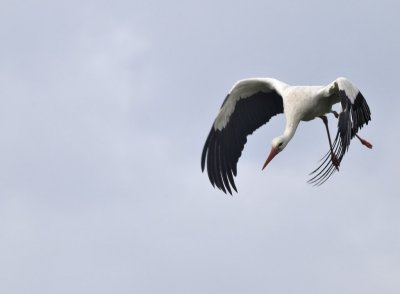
<point>250,104</point>
<point>355,114</point>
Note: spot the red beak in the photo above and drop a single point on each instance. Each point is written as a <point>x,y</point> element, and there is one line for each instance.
<point>271,155</point>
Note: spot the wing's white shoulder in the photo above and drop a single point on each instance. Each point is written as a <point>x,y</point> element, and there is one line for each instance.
<point>333,89</point>
<point>247,87</point>
<point>243,89</point>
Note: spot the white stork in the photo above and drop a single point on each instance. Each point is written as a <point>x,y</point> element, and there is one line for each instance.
<point>252,102</point>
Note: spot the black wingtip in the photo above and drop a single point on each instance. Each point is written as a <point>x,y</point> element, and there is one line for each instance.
<point>205,148</point>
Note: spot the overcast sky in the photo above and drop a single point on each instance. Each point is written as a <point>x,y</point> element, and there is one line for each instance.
<point>104,110</point>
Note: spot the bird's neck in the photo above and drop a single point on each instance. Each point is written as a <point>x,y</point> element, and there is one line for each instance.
<point>290,129</point>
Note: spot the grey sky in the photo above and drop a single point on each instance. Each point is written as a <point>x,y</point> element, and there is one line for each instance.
<point>104,109</point>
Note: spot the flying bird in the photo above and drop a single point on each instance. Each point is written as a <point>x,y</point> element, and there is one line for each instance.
<point>252,102</point>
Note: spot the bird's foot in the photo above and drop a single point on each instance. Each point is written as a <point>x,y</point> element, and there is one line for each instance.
<point>335,161</point>
<point>366,143</point>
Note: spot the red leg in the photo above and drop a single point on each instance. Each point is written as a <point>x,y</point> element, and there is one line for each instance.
<point>364,142</point>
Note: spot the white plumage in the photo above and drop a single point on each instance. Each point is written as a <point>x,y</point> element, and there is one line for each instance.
<point>252,102</point>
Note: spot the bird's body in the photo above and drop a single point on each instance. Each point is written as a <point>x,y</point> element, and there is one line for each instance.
<point>306,103</point>
<point>252,102</point>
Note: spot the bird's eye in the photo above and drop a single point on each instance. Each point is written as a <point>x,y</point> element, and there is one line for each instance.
<point>280,144</point>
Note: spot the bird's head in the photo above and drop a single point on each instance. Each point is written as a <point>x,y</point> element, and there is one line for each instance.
<point>278,144</point>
